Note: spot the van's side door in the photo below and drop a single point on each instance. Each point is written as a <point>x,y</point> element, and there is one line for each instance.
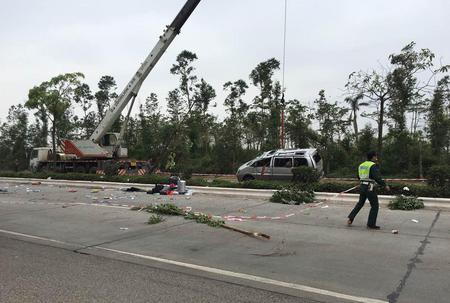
<point>282,168</point>
<point>263,169</point>
<point>301,161</point>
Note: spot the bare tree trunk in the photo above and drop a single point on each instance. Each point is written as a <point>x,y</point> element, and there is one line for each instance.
<point>420,159</point>
<point>380,126</point>
<point>355,126</point>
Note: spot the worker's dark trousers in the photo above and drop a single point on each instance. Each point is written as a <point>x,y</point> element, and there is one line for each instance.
<point>373,199</point>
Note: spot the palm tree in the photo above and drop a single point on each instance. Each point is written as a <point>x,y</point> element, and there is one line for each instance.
<point>355,103</point>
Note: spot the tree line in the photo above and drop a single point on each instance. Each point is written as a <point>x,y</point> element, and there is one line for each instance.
<point>407,102</point>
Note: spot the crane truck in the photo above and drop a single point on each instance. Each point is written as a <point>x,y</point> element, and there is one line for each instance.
<point>103,147</point>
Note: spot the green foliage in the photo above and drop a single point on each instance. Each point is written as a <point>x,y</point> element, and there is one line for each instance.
<point>418,189</point>
<point>105,94</point>
<point>293,195</point>
<point>165,209</point>
<point>155,219</point>
<point>439,175</point>
<point>173,210</point>
<point>406,203</point>
<point>439,118</point>
<point>15,139</point>
<point>189,138</point>
<point>53,100</point>
<point>204,219</point>
<point>305,174</point>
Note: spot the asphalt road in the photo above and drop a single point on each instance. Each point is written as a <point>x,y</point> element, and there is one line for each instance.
<point>63,245</point>
<point>41,273</point>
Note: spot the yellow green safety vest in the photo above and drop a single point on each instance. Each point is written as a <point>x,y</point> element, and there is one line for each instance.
<point>364,170</point>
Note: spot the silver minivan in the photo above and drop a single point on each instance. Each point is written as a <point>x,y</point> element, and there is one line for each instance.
<point>277,164</point>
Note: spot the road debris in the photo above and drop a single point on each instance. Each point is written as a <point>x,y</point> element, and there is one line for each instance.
<point>72,190</point>
<point>415,221</point>
<point>36,183</point>
<point>124,228</point>
<point>395,231</point>
<point>29,190</point>
<point>246,232</point>
<point>187,213</point>
<point>133,189</point>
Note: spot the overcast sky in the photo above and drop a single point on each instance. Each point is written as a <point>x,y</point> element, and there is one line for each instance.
<point>326,41</point>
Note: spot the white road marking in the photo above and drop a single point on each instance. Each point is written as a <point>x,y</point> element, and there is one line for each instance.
<point>250,277</point>
<point>33,237</point>
<point>218,271</point>
<point>121,206</point>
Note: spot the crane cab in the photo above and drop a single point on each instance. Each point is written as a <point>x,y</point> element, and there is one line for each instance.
<point>111,143</point>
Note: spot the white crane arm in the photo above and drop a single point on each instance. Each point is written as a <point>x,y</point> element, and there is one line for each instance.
<point>135,83</point>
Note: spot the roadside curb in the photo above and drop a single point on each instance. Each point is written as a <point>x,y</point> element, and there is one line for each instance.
<point>440,203</point>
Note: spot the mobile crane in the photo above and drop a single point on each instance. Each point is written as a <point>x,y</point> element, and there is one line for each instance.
<point>105,147</point>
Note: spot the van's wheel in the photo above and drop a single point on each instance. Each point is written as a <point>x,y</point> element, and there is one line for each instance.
<point>248,178</point>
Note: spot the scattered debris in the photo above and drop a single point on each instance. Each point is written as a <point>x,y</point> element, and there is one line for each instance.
<point>133,189</point>
<point>279,251</point>
<point>395,231</point>
<point>326,206</point>
<point>415,221</point>
<point>36,183</point>
<point>95,190</point>
<point>72,190</point>
<point>204,219</point>
<point>155,219</point>
<point>173,210</point>
<point>29,190</point>
<point>124,228</point>
<point>246,232</point>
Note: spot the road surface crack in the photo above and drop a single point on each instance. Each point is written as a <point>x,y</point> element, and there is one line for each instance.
<point>393,297</point>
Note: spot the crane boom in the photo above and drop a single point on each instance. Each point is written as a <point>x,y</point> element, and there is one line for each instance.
<point>135,83</point>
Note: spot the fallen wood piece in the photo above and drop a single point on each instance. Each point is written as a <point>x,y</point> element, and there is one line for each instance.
<point>246,232</point>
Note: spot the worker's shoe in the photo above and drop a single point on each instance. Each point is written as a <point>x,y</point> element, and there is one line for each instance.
<point>349,222</point>
<point>373,227</point>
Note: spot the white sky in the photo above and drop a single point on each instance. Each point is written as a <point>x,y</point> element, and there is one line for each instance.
<point>326,41</point>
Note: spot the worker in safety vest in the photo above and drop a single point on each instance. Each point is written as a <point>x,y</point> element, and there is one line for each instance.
<point>368,174</point>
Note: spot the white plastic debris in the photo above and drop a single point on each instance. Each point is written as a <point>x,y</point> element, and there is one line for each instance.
<point>29,190</point>
<point>405,188</point>
<point>326,206</point>
<point>415,221</point>
<point>124,228</point>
